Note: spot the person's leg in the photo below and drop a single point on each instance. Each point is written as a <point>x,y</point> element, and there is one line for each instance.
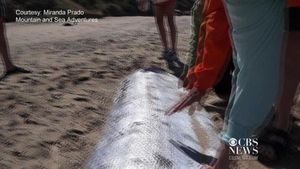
<point>4,48</point>
<point>277,134</point>
<point>10,68</point>
<point>291,81</point>
<point>269,152</point>
<point>258,56</point>
<point>257,34</point>
<point>172,25</point>
<point>159,16</point>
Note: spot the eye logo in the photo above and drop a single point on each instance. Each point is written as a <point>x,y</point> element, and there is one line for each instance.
<point>243,146</point>
<point>233,142</point>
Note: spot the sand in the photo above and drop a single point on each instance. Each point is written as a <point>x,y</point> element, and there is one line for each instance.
<point>53,117</point>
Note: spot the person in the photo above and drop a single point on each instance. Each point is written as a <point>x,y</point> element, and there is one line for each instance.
<point>197,18</point>
<point>223,86</point>
<point>275,140</point>
<point>10,68</point>
<point>162,9</point>
<point>213,53</point>
<point>257,31</point>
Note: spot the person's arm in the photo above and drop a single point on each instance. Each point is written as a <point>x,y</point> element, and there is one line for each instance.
<point>214,50</point>
<point>197,16</point>
<point>191,97</point>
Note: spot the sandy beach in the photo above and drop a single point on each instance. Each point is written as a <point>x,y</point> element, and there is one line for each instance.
<point>53,117</point>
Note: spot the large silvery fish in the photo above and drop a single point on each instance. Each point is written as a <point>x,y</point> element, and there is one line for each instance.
<point>139,135</point>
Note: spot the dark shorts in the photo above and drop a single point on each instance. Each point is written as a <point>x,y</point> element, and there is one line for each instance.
<point>294,19</point>
<point>2,8</point>
<point>170,2</point>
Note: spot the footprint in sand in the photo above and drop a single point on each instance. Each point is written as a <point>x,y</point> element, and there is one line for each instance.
<point>45,72</point>
<point>13,123</point>
<point>91,108</point>
<point>33,122</point>
<point>94,123</point>
<point>81,99</point>
<point>50,89</point>
<point>81,80</point>
<point>98,74</point>
<point>37,151</point>
<point>29,80</point>
<point>17,154</point>
<point>3,166</point>
<point>61,84</point>
<point>6,141</point>
<point>75,131</point>
<point>99,52</point>
<point>56,96</point>
<point>72,140</point>
<point>24,115</point>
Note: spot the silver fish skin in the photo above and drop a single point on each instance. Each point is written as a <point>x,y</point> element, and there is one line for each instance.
<point>138,134</point>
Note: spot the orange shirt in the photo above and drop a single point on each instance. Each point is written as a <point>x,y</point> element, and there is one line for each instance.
<point>214,47</point>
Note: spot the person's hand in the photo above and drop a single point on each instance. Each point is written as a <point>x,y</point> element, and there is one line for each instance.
<point>187,81</point>
<point>183,82</point>
<point>194,95</point>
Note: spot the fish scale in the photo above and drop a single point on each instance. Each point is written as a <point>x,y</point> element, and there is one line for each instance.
<point>139,135</point>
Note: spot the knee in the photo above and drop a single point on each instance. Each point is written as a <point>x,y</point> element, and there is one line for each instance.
<point>1,32</point>
<point>170,19</point>
<point>159,20</point>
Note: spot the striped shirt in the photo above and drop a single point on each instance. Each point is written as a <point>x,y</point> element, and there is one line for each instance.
<point>2,8</point>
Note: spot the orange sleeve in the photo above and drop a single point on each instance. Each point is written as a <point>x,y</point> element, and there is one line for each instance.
<point>214,50</point>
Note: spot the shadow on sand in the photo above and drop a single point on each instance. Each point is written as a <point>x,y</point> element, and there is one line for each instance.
<point>193,154</point>
<point>177,67</point>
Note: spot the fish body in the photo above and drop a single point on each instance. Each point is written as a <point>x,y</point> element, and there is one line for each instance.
<point>139,135</point>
